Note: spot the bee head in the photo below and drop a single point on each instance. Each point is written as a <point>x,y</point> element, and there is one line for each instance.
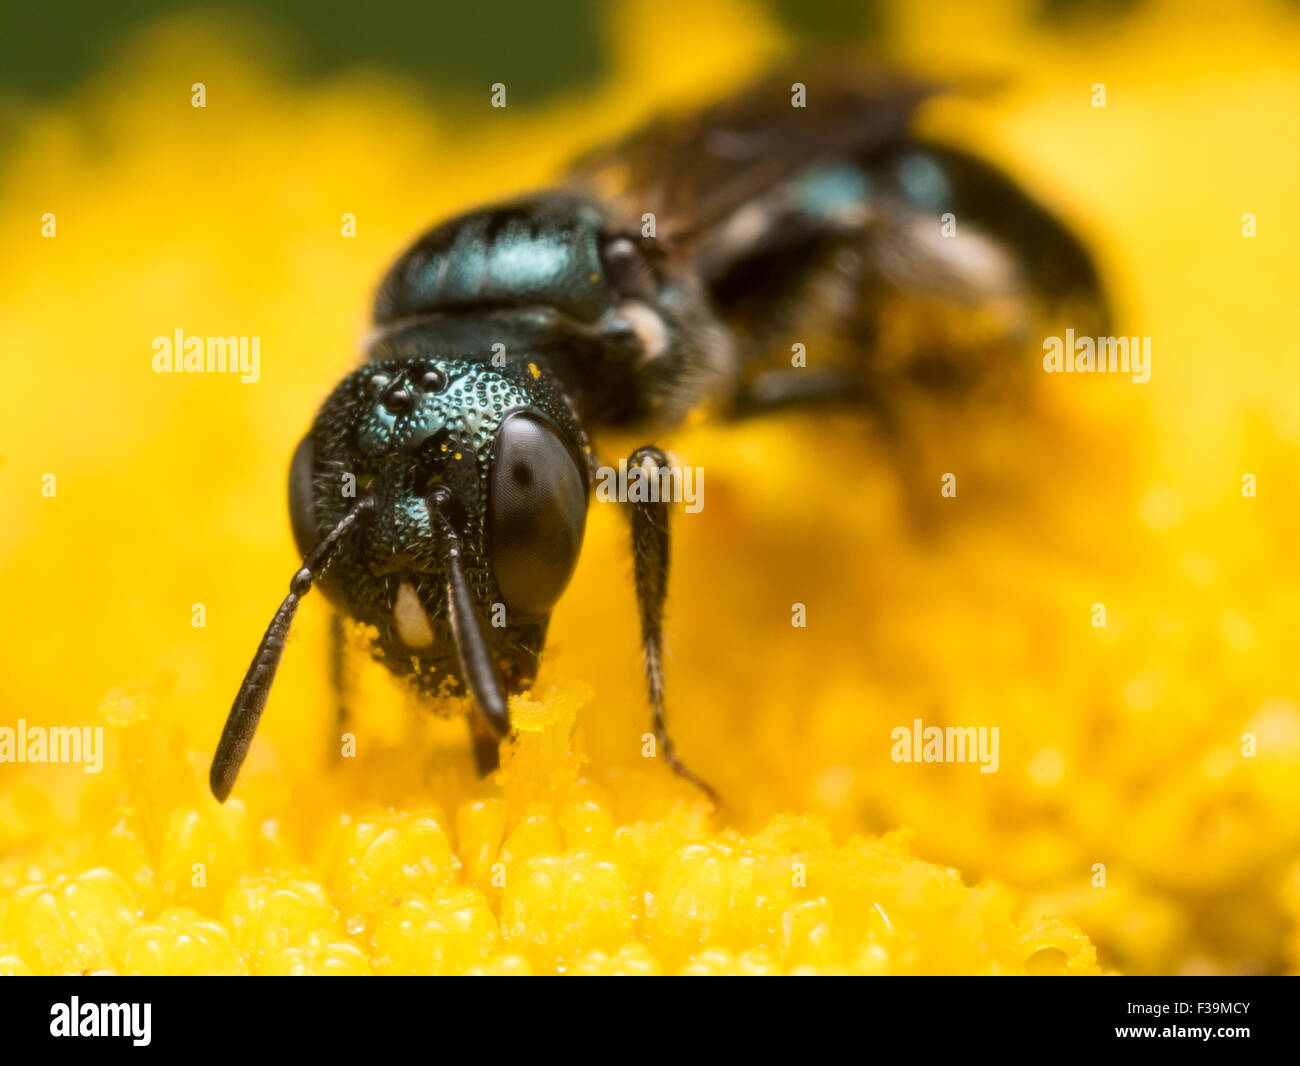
<point>480,478</point>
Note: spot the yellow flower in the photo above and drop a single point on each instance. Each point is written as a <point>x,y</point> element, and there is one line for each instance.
<point>1147,801</point>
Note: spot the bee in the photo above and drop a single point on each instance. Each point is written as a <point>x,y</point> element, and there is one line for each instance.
<point>440,497</point>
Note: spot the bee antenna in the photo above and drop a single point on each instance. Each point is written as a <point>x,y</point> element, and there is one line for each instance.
<point>476,665</point>
<point>246,711</point>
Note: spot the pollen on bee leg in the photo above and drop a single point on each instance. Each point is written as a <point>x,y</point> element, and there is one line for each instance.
<point>412,621</point>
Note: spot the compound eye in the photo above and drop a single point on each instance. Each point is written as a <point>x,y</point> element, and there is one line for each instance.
<point>302,507</point>
<point>537,511</point>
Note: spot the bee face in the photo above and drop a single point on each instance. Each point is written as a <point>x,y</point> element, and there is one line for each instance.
<point>461,458</point>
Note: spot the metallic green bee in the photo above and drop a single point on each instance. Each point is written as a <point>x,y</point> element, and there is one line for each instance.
<point>662,276</point>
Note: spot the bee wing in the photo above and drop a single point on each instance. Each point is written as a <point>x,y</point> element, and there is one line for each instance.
<point>692,171</point>
<point>826,218</point>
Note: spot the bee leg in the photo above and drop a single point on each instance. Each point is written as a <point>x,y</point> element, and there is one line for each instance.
<point>650,557</point>
<point>776,390</point>
<point>339,685</point>
<point>487,745</point>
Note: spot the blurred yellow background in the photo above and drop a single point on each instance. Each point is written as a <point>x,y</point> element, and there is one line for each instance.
<point>1120,746</point>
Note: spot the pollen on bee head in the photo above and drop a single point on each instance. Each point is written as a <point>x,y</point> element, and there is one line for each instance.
<point>533,369</point>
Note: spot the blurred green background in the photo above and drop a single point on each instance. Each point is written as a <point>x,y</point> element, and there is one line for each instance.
<point>460,44</point>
